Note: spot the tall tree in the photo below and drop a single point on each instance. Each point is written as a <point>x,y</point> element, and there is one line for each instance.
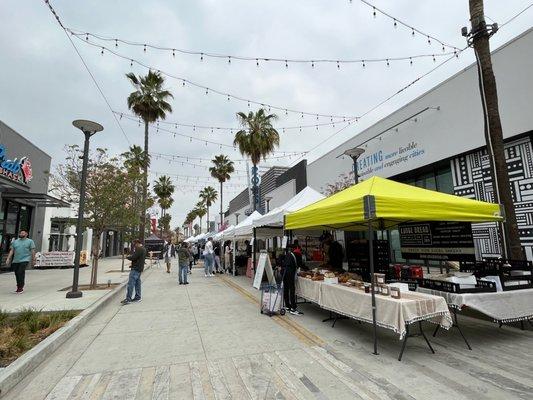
<point>148,102</point>
<point>208,195</point>
<point>257,140</point>
<point>164,188</point>
<point>221,170</point>
<point>135,161</point>
<point>199,211</point>
<point>107,195</point>
<point>493,128</point>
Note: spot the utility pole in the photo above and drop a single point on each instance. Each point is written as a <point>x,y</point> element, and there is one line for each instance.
<point>478,39</point>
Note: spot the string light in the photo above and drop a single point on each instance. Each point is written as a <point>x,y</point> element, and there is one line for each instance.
<point>255,59</point>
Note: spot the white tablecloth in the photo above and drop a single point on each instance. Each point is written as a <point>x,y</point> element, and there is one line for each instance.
<point>308,289</point>
<point>391,313</point>
<point>509,306</point>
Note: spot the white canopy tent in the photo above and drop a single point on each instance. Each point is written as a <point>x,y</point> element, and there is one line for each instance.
<point>245,228</point>
<point>228,232</point>
<point>274,218</point>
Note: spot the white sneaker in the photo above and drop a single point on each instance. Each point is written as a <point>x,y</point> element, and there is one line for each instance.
<point>211,275</point>
<point>206,275</point>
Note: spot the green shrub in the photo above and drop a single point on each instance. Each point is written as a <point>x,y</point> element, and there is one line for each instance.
<point>4,316</point>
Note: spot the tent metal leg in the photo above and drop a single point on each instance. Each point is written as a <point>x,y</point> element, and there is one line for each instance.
<point>372,279</point>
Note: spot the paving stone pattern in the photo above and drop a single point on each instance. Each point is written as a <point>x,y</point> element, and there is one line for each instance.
<point>207,340</point>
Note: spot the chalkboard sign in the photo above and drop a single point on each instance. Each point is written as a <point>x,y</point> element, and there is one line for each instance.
<point>263,265</point>
<point>437,241</point>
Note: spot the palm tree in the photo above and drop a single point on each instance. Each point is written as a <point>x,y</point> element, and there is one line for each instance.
<point>494,131</point>
<point>164,189</point>
<point>208,195</point>
<point>149,102</point>
<point>135,161</point>
<point>257,140</point>
<point>199,211</point>
<point>222,170</point>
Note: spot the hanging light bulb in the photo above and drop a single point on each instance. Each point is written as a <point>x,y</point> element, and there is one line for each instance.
<point>228,98</point>
<point>317,117</point>
<point>286,112</point>
<point>131,63</point>
<point>116,42</point>
<point>248,104</point>
<point>229,59</point>
<point>364,65</point>
<point>144,48</point>
<point>286,64</point>
<point>434,59</point>
<point>388,63</point>
<point>173,52</point>
<point>443,49</point>
<point>206,90</point>
<point>429,40</point>
<point>395,23</point>
<point>201,56</point>
<point>410,61</point>
<point>102,52</point>
<point>302,115</point>
<point>257,62</point>
<point>374,12</point>
<point>338,65</point>
<point>86,36</point>
<point>412,31</point>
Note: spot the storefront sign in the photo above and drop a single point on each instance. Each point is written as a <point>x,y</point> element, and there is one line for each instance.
<point>55,259</point>
<point>17,170</point>
<point>393,158</point>
<point>437,241</point>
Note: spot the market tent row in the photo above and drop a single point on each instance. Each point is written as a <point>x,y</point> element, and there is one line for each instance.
<point>380,204</point>
<point>271,224</point>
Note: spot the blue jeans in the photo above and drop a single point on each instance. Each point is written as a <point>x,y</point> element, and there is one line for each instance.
<point>184,269</point>
<point>208,263</point>
<point>134,281</point>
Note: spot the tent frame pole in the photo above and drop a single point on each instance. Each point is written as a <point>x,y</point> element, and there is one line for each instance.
<point>373,282</point>
<point>254,249</point>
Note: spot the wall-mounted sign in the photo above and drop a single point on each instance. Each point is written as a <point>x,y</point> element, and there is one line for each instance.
<point>17,170</point>
<point>437,241</point>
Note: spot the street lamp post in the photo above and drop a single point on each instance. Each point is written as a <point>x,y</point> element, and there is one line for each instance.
<point>354,154</point>
<point>88,128</point>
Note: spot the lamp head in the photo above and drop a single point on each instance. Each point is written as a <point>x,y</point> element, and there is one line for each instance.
<point>87,126</point>
<point>354,153</point>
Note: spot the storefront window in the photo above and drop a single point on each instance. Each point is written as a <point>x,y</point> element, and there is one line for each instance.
<point>25,215</point>
<point>444,180</point>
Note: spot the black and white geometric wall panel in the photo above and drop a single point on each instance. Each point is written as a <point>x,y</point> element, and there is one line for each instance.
<point>472,179</point>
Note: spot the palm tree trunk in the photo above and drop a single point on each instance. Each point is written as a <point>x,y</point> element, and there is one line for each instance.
<point>207,223</point>
<point>493,130</point>
<point>255,188</point>
<point>221,201</point>
<point>142,225</point>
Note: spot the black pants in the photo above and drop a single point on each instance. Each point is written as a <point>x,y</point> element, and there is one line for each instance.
<point>20,273</point>
<point>289,289</point>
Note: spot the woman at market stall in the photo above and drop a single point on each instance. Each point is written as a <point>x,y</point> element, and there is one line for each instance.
<point>290,266</point>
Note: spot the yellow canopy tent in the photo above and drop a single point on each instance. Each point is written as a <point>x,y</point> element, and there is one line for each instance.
<point>387,203</point>
<point>379,203</point>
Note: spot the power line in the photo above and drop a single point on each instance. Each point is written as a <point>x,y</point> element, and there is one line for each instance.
<point>516,16</point>
<point>47,2</point>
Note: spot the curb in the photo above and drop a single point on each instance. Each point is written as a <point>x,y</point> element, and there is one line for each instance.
<point>21,367</point>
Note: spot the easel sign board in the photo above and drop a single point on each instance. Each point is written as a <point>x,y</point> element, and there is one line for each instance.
<point>262,266</point>
<point>284,242</point>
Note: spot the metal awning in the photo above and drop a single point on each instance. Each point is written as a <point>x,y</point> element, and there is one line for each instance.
<point>36,199</point>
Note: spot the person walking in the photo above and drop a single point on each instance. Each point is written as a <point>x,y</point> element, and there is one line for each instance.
<point>218,266</point>
<point>289,281</point>
<point>227,256</point>
<point>209,257</point>
<point>21,253</point>
<point>194,251</point>
<point>183,261</point>
<point>137,267</point>
<point>169,251</point>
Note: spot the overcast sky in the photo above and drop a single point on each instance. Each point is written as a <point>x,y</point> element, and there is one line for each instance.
<point>44,85</point>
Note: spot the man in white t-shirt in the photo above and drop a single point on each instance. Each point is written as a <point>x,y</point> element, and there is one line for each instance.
<point>209,257</point>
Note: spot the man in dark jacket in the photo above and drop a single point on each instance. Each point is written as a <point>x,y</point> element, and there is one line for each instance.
<point>137,267</point>
<point>290,266</point>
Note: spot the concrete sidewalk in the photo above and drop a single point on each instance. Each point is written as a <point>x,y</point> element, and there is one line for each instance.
<point>207,340</point>
<point>43,287</point>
